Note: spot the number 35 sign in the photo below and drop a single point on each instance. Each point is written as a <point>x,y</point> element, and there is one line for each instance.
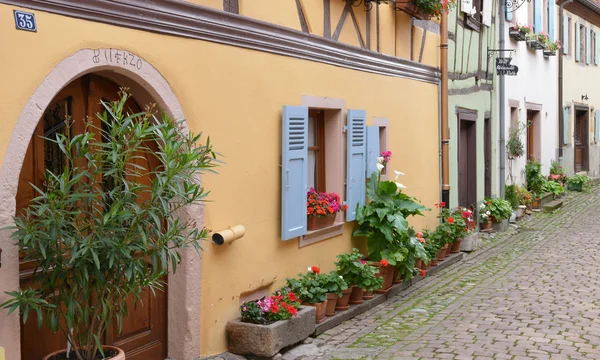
<point>25,21</point>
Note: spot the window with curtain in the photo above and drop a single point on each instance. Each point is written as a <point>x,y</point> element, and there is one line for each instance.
<point>316,150</point>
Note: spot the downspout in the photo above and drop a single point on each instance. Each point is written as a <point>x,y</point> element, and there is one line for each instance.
<point>561,113</point>
<point>439,139</point>
<point>501,101</point>
<point>444,108</point>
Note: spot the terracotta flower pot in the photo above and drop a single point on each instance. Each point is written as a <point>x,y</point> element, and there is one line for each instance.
<point>396,278</point>
<point>419,264</point>
<point>331,303</point>
<point>319,222</point>
<point>434,262</point>
<point>368,295</point>
<point>387,273</point>
<point>441,255</point>
<point>485,226</point>
<point>342,301</point>
<point>321,310</point>
<point>356,297</point>
<point>120,354</point>
<point>455,248</point>
<point>426,266</point>
<point>447,253</point>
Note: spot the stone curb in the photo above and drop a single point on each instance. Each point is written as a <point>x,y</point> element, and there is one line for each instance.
<point>355,310</point>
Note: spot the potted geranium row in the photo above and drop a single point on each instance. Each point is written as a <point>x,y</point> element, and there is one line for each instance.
<point>321,209</point>
<point>91,241</point>
<point>310,289</point>
<point>359,275</point>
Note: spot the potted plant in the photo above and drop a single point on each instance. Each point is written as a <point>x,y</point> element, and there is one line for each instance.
<point>535,41</point>
<point>425,9</point>
<point>500,211</point>
<point>554,188</point>
<point>310,289</point>
<point>453,225</point>
<point>91,241</point>
<point>383,222</point>
<point>519,32</point>
<point>535,180</point>
<point>485,218</point>
<point>551,48</point>
<point>357,274</point>
<point>321,209</point>
<point>336,290</point>
<point>525,200</point>
<point>577,182</point>
<point>432,247</point>
<point>557,173</point>
<point>269,324</point>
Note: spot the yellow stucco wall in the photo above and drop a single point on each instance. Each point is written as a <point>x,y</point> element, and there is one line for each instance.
<point>235,96</point>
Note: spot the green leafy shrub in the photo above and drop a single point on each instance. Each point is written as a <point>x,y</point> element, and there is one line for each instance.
<point>554,187</point>
<point>500,209</point>
<point>534,177</point>
<point>310,287</point>
<point>358,272</point>
<point>511,196</point>
<point>334,283</point>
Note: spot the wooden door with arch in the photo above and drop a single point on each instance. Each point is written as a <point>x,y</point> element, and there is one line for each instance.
<point>144,333</point>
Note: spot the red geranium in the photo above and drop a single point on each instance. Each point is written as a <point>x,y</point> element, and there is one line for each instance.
<point>292,296</point>
<point>450,220</point>
<point>384,263</point>
<point>315,269</point>
<point>423,273</point>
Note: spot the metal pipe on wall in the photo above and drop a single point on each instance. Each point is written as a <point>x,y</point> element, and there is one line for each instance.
<point>561,117</point>
<point>501,101</point>
<point>444,105</point>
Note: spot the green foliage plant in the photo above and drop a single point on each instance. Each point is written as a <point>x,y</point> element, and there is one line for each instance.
<point>334,283</point>
<point>557,173</point>
<point>358,272</point>
<point>577,182</point>
<point>500,209</point>
<point>554,187</point>
<point>453,225</point>
<point>309,287</point>
<point>97,246</point>
<point>511,196</point>
<point>535,179</point>
<point>523,195</point>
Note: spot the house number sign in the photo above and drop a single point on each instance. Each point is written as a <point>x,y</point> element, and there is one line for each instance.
<point>25,21</point>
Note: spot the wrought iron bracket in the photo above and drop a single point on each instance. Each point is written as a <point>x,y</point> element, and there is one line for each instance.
<point>369,3</point>
<point>513,5</point>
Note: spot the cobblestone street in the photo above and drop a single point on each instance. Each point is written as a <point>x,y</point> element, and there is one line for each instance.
<point>530,293</point>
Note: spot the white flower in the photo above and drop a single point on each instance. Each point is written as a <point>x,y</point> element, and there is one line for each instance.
<point>482,206</point>
<point>488,212</point>
<point>341,277</point>
<point>309,269</point>
<point>400,186</point>
<point>398,173</point>
<point>379,167</point>
<point>380,159</point>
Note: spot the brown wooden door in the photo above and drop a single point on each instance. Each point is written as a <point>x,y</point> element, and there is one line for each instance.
<point>580,136</point>
<point>467,167</point>
<point>144,335</point>
<point>530,136</point>
<point>487,148</point>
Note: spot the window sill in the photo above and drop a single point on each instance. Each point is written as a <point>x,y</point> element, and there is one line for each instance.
<point>322,234</point>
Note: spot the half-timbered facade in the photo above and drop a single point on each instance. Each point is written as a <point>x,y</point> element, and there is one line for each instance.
<point>353,78</point>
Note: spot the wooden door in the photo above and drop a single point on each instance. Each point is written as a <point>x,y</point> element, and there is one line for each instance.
<point>144,335</point>
<point>580,136</point>
<point>530,136</point>
<point>467,178</point>
<point>487,148</point>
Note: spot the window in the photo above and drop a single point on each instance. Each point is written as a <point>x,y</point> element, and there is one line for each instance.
<point>316,150</point>
<point>55,119</point>
<point>569,37</point>
<point>593,49</point>
<point>382,125</point>
<point>581,42</point>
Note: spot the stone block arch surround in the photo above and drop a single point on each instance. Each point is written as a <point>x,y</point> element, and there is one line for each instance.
<point>147,85</point>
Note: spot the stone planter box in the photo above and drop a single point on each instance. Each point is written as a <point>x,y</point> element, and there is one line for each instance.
<point>469,243</point>
<point>546,199</point>
<point>266,340</point>
<point>500,226</point>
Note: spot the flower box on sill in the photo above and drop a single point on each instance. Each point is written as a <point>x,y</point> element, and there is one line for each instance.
<point>548,53</point>
<point>534,43</point>
<point>411,9</point>
<point>266,340</point>
<point>517,34</point>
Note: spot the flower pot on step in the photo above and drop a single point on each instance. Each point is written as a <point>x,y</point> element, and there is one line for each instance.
<point>331,303</point>
<point>356,297</point>
<point>113,353</point>
<point>455,248</point>
<point>447,253</point>
<point>342,301</point>
<point>441,255</point>
<point>387,273</point>
<point>397,279</point>
<point>321,310</point>
<point>319,222</point>
<point>368,295</point>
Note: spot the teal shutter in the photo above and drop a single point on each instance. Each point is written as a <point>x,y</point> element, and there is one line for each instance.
<point>588,47</point>
<point>294,180</point>
<point>577,45</point>
<point>566,134</point>
<point>509,14</point>
<point>551,20</point>
<point>597,127</point>
<point>373,151</point>
<point>356,163</point>
<point>596,49</point>
<point>537,16</point>
<point>565,34</point>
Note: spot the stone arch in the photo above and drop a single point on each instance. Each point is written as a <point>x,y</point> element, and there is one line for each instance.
<point>147,85</point>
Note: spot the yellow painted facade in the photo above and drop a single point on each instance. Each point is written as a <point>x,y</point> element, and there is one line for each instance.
<point>235,96</point>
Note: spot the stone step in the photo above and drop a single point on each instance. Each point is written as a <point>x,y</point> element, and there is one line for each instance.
<point>553,205</point>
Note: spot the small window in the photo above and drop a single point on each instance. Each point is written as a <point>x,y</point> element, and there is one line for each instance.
<point>382,123</point>
<point>316,150</point>
<point>582,43</point>
<point>547,17</point>
<point>593,45</point>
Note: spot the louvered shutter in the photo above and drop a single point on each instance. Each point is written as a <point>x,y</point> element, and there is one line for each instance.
<point>372,149</point>
<point>566,134</point>
<point>588,47</point>
<point>537,16</point>
<point>597,127</point>
<point>596,48</point>
<point>356,163</point>
<point>508,13</point>
<point>577,45</point>
<point>294,180</point>
<point>487,13</point>
<point>551,20</point>
<point>565,30</point>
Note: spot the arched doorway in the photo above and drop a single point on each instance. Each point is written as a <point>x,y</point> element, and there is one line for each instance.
<point>144,335</point>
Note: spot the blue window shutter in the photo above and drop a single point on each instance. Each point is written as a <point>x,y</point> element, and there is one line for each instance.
<point>551,20</point>
<point>508,13</point>
<point>373,150</point>
<point>537,16</point>
<point>294,174</point>
<point>577,45</point>
<point>565,30</point>
<point>596,49</point>
<point>356,163</point>
<point>597,126</point>
<point>566,134</point>
<point>588,47</point>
